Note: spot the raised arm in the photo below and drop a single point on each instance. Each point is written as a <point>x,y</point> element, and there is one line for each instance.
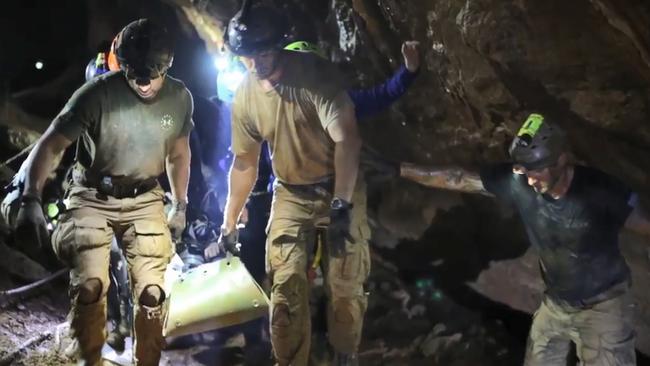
<point>371,101</point>
<point>451,178</point>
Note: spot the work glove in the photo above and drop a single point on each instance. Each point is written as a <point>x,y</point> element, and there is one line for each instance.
<point>31,227</point>
<point>338,230</point>
<point>227,243</point>
<point>176,219</point>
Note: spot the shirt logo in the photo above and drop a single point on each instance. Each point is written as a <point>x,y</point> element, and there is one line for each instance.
<point>166,122</point>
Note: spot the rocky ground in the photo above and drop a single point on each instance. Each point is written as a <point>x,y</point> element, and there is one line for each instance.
<point>408,323</point>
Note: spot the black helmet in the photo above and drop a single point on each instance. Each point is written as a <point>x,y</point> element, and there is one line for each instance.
<point>538,144</point>
<point>254,30</point>
<point>144,50</point>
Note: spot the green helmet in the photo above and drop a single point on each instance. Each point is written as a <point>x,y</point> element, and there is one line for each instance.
<point>538,143</point>
<point>303,46</point>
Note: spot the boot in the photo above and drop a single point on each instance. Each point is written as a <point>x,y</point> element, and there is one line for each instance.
<point>345,359</point>
<point>116,337</point>
<point>121,327</point>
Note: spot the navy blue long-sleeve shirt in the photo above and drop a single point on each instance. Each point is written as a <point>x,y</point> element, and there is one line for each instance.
<point>368,102</point>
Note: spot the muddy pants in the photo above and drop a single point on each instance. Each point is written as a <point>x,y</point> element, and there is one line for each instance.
<point>296,215</point>
<point>83,242</point>
<point>603,333</point>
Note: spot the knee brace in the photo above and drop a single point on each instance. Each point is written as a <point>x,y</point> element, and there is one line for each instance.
<point>343,310</point>
<point>90,291</point>
<point>152,296</point>
<point>281,317</point>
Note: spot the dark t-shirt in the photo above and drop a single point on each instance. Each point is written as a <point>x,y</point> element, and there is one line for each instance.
<point>576,235</point>
<point>119,133</point>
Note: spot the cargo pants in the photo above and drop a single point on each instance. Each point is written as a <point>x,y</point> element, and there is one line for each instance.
<point>296,216</point>
<point>83,242</point>
<point>603,333</point>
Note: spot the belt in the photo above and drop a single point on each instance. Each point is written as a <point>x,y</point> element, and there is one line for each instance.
<point>612,292</point>
<point>321,189</point>
<point>118,187</point>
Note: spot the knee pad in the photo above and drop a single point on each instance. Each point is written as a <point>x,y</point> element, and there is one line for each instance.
<point>90,291</point>
<point>152,296</point>
<point>343,310</point>
<point>281,316</point>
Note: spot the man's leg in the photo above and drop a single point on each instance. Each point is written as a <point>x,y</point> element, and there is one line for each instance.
<point>148,251</point>
<point>118,299</point>
<point>253,237</point>
<point>606,333</point>
<point>287,266</point>
<point>82,241</point>
<point>549,339</point>
<point>345,277</point>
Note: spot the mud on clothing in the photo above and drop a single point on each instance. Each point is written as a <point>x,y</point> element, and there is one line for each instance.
<point>576,235</point>
<point>119,133</point>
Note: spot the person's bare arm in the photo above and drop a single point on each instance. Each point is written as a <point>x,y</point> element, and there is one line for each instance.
<point>455,179</point>
<point>178,168</point>
<point>345,134</point>
<point>49,147</point>
<point>242,177</point>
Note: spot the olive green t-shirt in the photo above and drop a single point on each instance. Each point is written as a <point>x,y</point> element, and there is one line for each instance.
<point>293,118</point>
<point>119,133</point>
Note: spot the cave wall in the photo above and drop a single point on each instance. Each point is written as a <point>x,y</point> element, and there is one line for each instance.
<point>486,64</point>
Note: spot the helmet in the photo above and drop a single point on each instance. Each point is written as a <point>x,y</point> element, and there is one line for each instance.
<point>254,30</point>
<point>143,50</point>
<point>538,143</point>
<point>113,65</point>
<point>303,46</point>
<point>97,66</point>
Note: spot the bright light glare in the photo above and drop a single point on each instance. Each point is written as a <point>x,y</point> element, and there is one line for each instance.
<point>232,79</point>
<point>221,63</point>
<point>39,65</point>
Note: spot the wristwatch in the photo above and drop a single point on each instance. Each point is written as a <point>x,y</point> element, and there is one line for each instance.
<point>340,204</point>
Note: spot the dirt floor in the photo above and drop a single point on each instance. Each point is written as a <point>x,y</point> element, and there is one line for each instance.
<point>412,323</point>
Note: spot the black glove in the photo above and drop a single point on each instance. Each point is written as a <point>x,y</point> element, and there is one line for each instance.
<point>229,243</point>
<point>339,228</point>
<point>378,169</point>
<point>31,227</point>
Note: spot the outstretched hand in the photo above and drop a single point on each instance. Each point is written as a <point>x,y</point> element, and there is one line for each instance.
<point>411,53</point>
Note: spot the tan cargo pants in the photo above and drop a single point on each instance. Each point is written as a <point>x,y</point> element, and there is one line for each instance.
<point>83,242</point>
<point>603,334</point>
<point>295,219</point>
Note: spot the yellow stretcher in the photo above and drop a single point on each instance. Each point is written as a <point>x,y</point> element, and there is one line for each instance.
<point>212,296</point>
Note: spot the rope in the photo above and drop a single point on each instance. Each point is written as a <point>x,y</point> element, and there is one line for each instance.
<point>23,289</point>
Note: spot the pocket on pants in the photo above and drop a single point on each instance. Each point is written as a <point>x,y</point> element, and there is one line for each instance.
<point>75,234</point>
<point>152,239</point>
